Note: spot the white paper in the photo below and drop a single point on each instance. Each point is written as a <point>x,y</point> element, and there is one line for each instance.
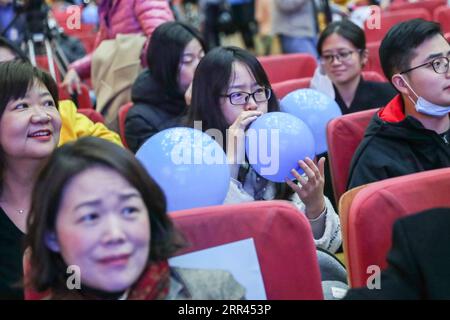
<point>238,257</point>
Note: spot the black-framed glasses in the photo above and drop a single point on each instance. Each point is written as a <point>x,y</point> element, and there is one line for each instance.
<point>440,65</point>
<point>239,98</point>
<point>341,56</point>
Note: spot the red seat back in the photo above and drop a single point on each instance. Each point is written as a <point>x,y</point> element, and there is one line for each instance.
<point>373,62</point>
<point>281,234</point>
<point>84,100</point>
<point>376,207</point>
<point>93,115</point>
<point>389,19</point>
<point>344,134</point>
<point>442,15</point>
<point>42,62</point>
<point>282,237</point>
<point>429,5</point>
<point>288,66</point>
<point>123,111</point>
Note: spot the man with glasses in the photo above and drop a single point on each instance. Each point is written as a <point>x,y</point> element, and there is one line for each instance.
<point>412,133</point>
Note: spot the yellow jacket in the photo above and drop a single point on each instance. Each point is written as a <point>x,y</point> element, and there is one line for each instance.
<point>76,125</point>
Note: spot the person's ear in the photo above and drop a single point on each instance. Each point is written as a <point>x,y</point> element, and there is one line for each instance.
<point>400,84</point>
<point>52,241</point>
<point>364,57</point>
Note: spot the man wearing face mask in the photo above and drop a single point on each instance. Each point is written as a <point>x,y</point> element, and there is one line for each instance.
<point>412,133</point>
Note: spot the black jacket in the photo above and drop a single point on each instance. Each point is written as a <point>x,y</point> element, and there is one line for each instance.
<point>395,145</point>
<point>153,110</point>
<point>418,262</point>
<point>369,95</point>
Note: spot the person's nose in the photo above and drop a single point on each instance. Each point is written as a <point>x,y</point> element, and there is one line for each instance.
<point>251,104</point>
<point>40,115</point>
<point>113,232</point>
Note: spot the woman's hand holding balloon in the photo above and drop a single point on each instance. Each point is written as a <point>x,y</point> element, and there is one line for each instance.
<point>236,140</point>
<point>310,190</point>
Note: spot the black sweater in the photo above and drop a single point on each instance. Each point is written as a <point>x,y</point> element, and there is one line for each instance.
<point>153,110</point>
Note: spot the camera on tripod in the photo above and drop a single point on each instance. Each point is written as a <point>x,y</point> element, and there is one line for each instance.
<point>40,35</point>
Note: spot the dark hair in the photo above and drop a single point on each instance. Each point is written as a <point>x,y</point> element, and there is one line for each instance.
<point>48,268</point>
<point>16,78</point>
<point>346,29</point>
<point>212,79</point>
<point>20,55</point>
<point>166,47</point>
<point>397,47</point>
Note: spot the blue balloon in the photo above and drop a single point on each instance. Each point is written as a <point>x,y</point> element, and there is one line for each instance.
<point>315,109</point>
<point>275,142</point>
<point>188,165</point>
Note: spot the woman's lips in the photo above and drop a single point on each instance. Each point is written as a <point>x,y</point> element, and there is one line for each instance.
<point>115,261</point>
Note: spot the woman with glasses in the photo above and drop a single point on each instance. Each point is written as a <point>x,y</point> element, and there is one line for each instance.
<point>230,90</point>
<point>343,54</point>
<point>158,95</point>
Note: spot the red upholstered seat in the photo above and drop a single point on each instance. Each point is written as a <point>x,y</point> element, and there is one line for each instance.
<point>343,137</point>
<point>442,15</point>
<point>123,110</point>
<point>389,19</point>
<point>429,5</point>
<point>288,66</point>
<point>84,100</point>
<point>376,207</point>
<point>281,234</point>
<point>95,116</point>
<point>42,62</point>
<point>282,237</point>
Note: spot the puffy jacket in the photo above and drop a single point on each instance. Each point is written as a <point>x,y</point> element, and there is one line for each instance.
<point>154,110</point>
<point>76,125</point>
<point>126,16</point>
<point>394,145</point>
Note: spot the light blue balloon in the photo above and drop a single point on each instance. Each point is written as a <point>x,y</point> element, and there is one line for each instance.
<point>315,109</point>
<point>188,165</point>
<point>275,142</point>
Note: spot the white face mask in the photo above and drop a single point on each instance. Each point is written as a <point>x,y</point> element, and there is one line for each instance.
<point>426,107</point>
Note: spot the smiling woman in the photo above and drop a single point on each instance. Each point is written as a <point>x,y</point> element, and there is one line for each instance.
<point>95,207</point>
<point>29,132</point>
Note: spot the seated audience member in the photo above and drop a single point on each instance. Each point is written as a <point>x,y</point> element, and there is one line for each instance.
<point>29,131</point>
<point>418,262</point>
<point>158,92</point>
<point>120,17</point>
<point>74,124</point>
<point>412,133</point>
<point>230,90</point>
<point>343,54</point>
<point>95,207</point>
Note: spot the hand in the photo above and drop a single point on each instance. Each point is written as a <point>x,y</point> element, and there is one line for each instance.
<point>72,80</point>
<point>188,95</point>
<point>236,139</point>
<point>311,191</point>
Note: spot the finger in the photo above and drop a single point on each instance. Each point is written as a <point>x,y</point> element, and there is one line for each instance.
<point>313,167</point>
<point>299,178</point>
<point>322,166</point>
<point>293,185</point>
<point>69,88</point>
<point>246,114</point>
<point>247,121</point>
<point>78,85</point>
<point>309,173</point>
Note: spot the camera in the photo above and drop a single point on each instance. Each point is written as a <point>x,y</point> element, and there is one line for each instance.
<point>36,12</point>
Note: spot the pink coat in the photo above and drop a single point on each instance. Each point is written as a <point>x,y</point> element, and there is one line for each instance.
<point>125,16</point>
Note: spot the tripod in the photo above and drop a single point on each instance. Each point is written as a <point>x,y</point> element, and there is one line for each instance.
<point>41,38</point>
